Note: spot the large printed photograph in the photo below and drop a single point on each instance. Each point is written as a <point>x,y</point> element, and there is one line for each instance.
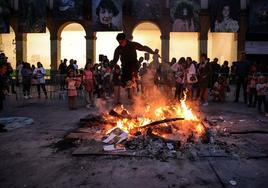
<point>4,16</point>
<point>185,15</point>
<point>68,9</point>
<point>224,15</point>
<point>146,9</point>
<point>107,15</point>
<point>32,16</point>
<point>258,16</point>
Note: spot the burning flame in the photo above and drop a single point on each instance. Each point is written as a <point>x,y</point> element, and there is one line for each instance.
<point>190,124</point>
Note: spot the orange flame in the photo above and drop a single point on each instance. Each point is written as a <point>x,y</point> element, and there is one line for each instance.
<point>189,125</point>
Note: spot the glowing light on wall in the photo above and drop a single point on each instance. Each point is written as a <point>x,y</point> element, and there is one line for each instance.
<point>223,46</point>
<point>184,45</point>
<point>73,44</point>
<point>147,34</point>
<point>8,46</point>
<point>106,44</point>
<point>38,48</point>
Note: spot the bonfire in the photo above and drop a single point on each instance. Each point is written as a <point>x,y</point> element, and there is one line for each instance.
<point>172,122</point>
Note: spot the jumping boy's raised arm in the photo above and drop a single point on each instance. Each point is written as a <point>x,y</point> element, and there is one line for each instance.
<point>140,47</point>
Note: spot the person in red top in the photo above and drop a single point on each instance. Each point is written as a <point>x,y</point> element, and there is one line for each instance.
<point>88,79</point>
<point>73,83</point>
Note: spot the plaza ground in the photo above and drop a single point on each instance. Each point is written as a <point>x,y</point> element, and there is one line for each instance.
<point>27,158</point>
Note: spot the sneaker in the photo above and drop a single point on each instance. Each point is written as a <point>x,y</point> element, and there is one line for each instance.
<point>205,104</point>
<point>88,106</point>
<point>26,97</point>
<point>30,96</point>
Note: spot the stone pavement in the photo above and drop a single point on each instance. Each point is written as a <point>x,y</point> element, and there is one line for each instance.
<point>27,158</point>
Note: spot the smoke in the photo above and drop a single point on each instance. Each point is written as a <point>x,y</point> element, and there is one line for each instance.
<point>102,105</point>
<point>151,98</point>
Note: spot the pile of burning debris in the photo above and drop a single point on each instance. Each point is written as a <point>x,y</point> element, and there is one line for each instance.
<point>159,132</point>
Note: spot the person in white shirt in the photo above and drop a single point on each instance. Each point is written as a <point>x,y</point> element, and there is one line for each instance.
<point>39,74</point>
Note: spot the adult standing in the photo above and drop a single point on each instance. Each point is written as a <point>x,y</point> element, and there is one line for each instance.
<point>18,72</point>
<point>63,73</point>
<point>40,73</point>
<point>215,66</point>
<point>3,82</point>
<point>241,73</point>
<point>204,71</point>
<point>26,80</point>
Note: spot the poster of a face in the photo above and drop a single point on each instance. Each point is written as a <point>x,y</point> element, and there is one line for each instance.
<point>224,15</point>
<point>4,16</point>
<point>32,16</point>
<point>258,16</point>
<point>146,9</point>
<point>107,15</point>
<point>185,15</point>
<point>68,9</point>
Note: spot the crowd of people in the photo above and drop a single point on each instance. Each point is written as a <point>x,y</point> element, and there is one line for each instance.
<point>104,80</point>
<point>108,80</point>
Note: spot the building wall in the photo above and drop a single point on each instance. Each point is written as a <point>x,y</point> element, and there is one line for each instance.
<point>171,45</point>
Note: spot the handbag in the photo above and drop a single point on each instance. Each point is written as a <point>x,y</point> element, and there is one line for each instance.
<point>192,78</point>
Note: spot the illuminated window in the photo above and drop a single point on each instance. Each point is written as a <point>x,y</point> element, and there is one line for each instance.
<point>223,46</point>
<point>184,45</point>
<point>38,48</point>
<point>147,34</point>
<point>8,46</point>
<point>73,44</point>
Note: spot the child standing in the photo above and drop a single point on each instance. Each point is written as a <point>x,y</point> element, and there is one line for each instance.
<point>261,86</point>
<point>156,57</point>
<point>219,89</point>
<point>142,72</point>
<point>88,79</point>
<point>117,84</point>
<point>72,84</point>
<point>251,88</point>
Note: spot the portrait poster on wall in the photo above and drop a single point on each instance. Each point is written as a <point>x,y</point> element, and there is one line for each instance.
<point>258,16</point>
<point>107,15</point>
<point>68,9</point>
<point>32,16</point>
<point>146,9</point>
<point>4,16</point>
<point>224,15</point>
<point>185,15</point>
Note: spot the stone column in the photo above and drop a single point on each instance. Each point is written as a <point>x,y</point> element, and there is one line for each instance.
<point>242,33</point>
<point>21,46</point>
<point>55,50</point>
<point>91,47</point>
<point>203,35</point>
<point>164,47</point>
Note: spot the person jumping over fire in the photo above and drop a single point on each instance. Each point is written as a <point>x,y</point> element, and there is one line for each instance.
<point>126,51</point>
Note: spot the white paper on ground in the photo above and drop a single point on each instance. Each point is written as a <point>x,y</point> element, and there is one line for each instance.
<point>109,138</point>
<point>109,148</point>
<point>123,136</point>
